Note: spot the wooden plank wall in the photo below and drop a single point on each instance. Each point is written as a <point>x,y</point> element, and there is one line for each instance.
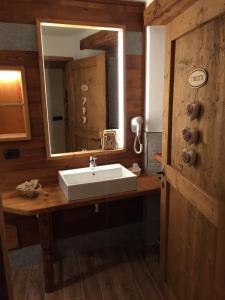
<point>33,162</point>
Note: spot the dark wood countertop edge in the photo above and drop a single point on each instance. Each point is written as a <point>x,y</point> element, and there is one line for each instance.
<point>78,203</point>
<point>72,204</point>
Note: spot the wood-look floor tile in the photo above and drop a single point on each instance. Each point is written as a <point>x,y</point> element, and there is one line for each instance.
<point>91,286</point>
<point>151,258</point>
<point>20,283</point>
<point>105,263</point>
<point>59,294</point>
<point>72,278</point>
<point>35,288</point>
<point>141,275</point>
<point>124,276</point>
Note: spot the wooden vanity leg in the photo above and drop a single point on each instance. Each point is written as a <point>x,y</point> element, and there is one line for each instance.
<point>47,245</point>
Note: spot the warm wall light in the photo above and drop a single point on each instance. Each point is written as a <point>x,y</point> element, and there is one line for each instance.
<point>58,25</point>
<point>7,75</point>
<point>14,115</point>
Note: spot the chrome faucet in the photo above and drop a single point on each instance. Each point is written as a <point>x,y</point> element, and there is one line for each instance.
<point>93,163</point>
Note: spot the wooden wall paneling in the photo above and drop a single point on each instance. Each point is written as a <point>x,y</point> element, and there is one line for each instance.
<point>89,11</point>
<point>192,205</point>
<point>161,12</point>
<point>5,274</point>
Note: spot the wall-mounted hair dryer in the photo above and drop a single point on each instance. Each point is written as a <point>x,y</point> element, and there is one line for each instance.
<point>136,124</point>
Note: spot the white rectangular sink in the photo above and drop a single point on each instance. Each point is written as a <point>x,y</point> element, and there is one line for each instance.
<point>103,180</point>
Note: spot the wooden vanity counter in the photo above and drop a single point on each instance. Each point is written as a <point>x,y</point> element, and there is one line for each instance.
<point>55,200</point>
<point>44,207</point>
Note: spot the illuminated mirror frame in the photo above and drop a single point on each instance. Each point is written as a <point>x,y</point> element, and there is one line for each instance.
<point>11,75</point>
<point>121,84</point>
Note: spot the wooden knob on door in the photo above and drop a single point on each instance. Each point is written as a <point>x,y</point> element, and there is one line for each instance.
<point>84,120</point>
<point>84,110</point>
<point>193,110</point>
<point>190,136</point>
<point>189,157</point>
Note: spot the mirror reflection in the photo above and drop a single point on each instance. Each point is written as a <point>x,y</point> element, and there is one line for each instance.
<point>84,98</point>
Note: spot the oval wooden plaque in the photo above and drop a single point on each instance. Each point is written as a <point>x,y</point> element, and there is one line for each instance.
<point>198,78</point>
<point>84,88</point>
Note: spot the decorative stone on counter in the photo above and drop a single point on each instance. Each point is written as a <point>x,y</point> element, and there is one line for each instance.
<point>30,188</point>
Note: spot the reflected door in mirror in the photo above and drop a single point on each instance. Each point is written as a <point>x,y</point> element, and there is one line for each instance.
<point>86,103</point>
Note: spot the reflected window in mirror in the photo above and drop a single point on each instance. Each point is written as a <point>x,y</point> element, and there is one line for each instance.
<point>83,83</point>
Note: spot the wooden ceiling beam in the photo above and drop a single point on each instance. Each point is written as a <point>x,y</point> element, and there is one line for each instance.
<point>119,2</point>
<point>161,12</point>
<point>102,40</point>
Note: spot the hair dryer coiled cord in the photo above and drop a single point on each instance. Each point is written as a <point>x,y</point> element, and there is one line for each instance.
<point>138,141</point>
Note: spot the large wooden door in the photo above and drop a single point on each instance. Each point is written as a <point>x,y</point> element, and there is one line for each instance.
<point>5,284</point>
<point>86,81</point>
<point>193,198</point>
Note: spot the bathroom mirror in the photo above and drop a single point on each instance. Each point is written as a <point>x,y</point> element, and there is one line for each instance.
<point>82,76</point>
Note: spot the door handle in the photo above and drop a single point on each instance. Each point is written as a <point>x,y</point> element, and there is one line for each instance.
<point>162,175</point>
